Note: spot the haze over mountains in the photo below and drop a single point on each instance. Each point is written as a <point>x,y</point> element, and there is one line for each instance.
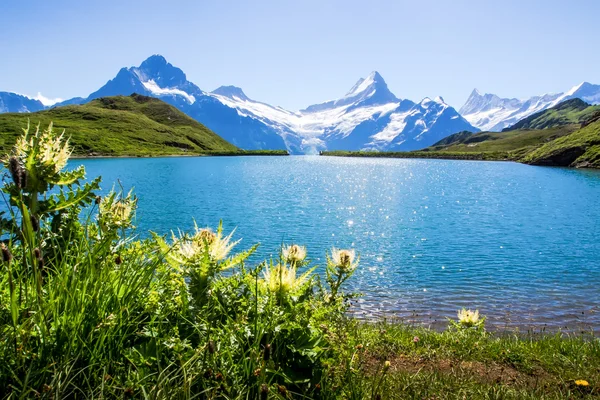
<point>368,116</point>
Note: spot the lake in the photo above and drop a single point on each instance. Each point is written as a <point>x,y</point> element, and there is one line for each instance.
<point>518,242</point>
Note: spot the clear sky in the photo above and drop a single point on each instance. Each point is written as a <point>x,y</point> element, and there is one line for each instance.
<point>297,53</point>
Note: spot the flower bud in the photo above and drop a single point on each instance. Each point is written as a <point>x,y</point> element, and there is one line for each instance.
<point>267,352</point>
<point>6,254</point>
<point>212,349</point>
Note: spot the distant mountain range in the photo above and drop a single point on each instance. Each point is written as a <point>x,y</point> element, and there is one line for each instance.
<point>369,116</point>
<point>489,112</point>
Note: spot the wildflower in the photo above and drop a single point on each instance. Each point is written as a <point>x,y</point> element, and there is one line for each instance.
<point>344,259</point>
<point>117,211</point>
<point>294,253</point>
<point>416,339</point>
<point>257,372</point>
<point>386,365</point>
<point>281,279</point>
<point>6,254</point>
<point>282,389</point>
<point>468,318</point>
<point>581,382</point>
<point>204,241</point>
<point>54,153</point>
<point>359,347</point>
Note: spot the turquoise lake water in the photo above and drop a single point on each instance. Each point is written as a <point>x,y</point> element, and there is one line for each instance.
<point>520,243</point>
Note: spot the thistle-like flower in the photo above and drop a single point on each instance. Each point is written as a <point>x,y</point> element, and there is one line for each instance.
<point>294,253</point>
<point>54,151</point>
<point>51,151</point>
<point>204,241</point>
<point>468,318</point>
<point>344,259</point>
<point>117,211</point>
<point>281,279</point>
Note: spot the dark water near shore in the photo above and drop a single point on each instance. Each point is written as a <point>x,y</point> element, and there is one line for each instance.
<point>520,243</point>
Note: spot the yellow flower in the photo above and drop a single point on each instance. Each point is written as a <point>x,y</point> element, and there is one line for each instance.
<point>386,365</point>
<point>468,317</point>
<point>581,382</point>
<point>344,259</point>
<point>294,253</point>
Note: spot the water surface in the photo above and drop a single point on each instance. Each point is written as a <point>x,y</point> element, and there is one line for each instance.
<point>518,242</point>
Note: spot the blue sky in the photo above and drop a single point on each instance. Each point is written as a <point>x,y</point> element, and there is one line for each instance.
<point>296,53</point>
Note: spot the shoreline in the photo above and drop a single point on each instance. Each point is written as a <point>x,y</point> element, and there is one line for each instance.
<point>241,154</point>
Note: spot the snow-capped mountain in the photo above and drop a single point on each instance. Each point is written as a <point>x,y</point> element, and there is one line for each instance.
<point>158,78</point>
<point>369,116</point>
<point>12,102</point>
<point>489,112</point>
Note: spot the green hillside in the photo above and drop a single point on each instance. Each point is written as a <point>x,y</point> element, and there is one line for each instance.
<point>579,149</point>
<point>574,111</point>
<point>121,126</point>
<point>509,145</point>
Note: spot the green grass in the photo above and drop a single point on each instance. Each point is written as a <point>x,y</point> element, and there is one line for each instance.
<point>121,126</point>
<point>447,155</point>
<point>579,149</point>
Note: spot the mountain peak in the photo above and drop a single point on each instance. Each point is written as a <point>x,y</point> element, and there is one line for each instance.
<point>475,93</point>
<point>158,69</point>
<point>231,92</point>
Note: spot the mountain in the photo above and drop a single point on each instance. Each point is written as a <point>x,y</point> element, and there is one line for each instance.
<point>573,111</point>
<point>489,112</point>
<point>12,102</point>
<point>368,116</point>
<point>117,126</point>
<point>566,134</point>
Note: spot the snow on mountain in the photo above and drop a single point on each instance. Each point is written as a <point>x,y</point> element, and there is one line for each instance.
<point>489,112</point>
<point>13,102</point>
<point>368,116</point>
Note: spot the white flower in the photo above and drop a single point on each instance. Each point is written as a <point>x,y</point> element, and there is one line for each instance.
<point>283,279</point>
<point>117,211</point>
<point>190,249</point>
<point>344,259</point>
<point>468,318</point>
<point>294,253</point>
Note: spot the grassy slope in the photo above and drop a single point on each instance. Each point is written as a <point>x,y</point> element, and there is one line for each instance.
<point>574,111</point>
<point>579,149</point>
<point>120,126</point>
<point>480,146</point>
